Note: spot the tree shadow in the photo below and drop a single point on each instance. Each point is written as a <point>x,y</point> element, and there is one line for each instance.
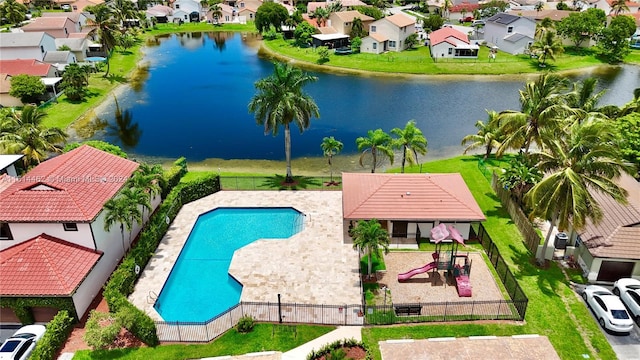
<point>117,78</point>
<point>548,277</point>
<point>280,182</point>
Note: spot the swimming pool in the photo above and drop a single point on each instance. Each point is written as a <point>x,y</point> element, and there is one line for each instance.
<point>199,286</point>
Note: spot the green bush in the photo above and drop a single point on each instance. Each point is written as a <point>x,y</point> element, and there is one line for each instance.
<point>331,350</point>
<point>98,144</point>
<point>172,176</point>
<point>245,324</point>
<point>199,188</point>
<point>139,323</point>
<point>58,330</point>
<point>101,329</point>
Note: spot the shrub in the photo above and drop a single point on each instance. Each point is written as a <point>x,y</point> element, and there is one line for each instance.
<point>245,324</point>
<point>332,350</point>
<point>58,331</point>
<point>101,330</point>
<point>98,144</point>
<point>172,176</point>
<point>138,323</point>
<point>199,188</point>
<point>323,54</point>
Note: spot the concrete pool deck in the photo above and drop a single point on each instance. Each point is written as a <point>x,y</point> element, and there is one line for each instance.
<point>312,267</point>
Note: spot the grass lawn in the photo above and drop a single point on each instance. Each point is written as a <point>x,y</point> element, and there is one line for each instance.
<point>554,309</point>
<point>419,61</point>
<point>264,337</point>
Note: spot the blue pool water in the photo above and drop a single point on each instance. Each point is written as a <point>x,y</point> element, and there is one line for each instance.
<point>199,286</point>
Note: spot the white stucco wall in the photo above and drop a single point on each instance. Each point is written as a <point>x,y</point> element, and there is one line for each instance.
<point>393,33</point>
<point>25,231</point>
<point>91,285</point>
<point>367,46</point>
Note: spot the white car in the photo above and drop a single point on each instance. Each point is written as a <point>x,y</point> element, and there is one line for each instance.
<point>608,309</point>
<point>20,345</point>
<point>629,292</point>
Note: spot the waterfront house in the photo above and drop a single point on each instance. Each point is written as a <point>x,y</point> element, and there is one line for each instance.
<point>27,45</point>
<point>58,27</point>
<point>452,44</point>
<point>513,34</point>
<point>388,34</point>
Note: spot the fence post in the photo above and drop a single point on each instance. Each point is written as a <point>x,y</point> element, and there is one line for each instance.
<point>178,327</point>
<point>279,310</point>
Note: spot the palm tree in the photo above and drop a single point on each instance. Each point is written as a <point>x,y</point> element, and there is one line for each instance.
<point>539,6</point>
<point>23,133</point>
<point>549,45</point>
<point>357,29</point>
<point>542,107</point>
<point>118,210</point>
<point>586,160</point>
<point>543,27</point>
<point>369,236</point>
<point>216,10</point>
<point>149,179</point>
<point>446,6</point>
<point>280,100</point>
<point>618,7</point>
<point>123,10</point>
<point>376,141</point>
<point>584,100</point>
<point>519,177</point>
<point>321,14</point>
<point>488,136</point>
<point>330,147</point>
<point>411,141</point>
<point>138,202</point>
<point>106,28</point>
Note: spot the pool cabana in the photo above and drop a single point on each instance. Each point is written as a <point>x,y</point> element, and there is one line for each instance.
<point>332,41</point>
<point>409,205</point>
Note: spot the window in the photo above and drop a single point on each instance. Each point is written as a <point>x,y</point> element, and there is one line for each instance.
<point>392,44</point>
<point>373,28</point>
<point>5,232</point>
<point>42,49</point>
<point>450,51</point>
<point>177,6</point>
<point>510,29</point>
<point>375,46</point>
<point>70,226</point>
<point>250,15</point>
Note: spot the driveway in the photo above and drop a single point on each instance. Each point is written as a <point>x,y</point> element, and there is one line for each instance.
<point>626,346</point>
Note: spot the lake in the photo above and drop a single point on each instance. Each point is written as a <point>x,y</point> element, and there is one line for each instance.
<point>194,104</point>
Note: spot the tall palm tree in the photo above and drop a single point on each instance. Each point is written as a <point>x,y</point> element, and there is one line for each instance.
<point>542,107</point>
<point>543,27</point>
<point>280,100</point>
<point>118,210</point>
<point>487,137</point>
<point>370,237</point>
<point>321,14</point>
<point>137,201</point>
<point>584,100</point>
<point>123,10</point>
<point>330,147</point>
<point>149,179</point>
<point>411,141</point>
<point>618,7</point>
<point>446,6</point>
<point>375,142</point>
<point>586,160</point>
<point>23,133</point>
<point>357,29</point>
<point>106,29</point>
<point>549,45</point>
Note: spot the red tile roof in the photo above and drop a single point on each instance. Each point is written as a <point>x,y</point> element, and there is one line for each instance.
<point>467,7</point>
<point>71,187</point>
<point>445,34</point>
<point>45,265</point>
<point>618,234</point>
<point>430,197</point>
<point>24,66</point>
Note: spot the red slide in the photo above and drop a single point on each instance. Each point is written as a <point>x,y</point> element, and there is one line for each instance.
<point>409,274</point>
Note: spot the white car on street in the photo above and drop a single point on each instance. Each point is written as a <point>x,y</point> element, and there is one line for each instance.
<point>629,292</point>
<point>608,309</point>
<point>20,345</point>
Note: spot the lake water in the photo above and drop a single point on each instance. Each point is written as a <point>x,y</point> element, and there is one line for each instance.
<point>194,104</point>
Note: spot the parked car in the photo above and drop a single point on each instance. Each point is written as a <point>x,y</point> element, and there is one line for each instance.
<point>629,292</point>
<point>466,19</point>
<point>478,23</point>
<point>65,7</point>
<point>20,345</point>
<point>608,309</point>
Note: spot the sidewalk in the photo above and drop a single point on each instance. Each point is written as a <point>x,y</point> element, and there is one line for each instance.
<point>342,332</point>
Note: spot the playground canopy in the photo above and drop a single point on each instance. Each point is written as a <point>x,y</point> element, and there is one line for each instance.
<point>440,233</point>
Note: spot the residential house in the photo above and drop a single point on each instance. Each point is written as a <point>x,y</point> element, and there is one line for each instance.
<point>343,21</point>
<point>510,33</point>
<point>28,67</point>
<point>607,6</point>
<point>247,10</point>
<point>30,45</point>
<point>58,27</point>
<point>60,59</point>
<point>6,99</point>
<point>228,15</point>
<point>79,18</point>
<point>610,249</point>
<point>78,46</point>
<point>463,9</point>
<point>388,34</point>
<point>187,11</point>
<point>7,165</point>
<point>452,44</point>
<point>79,5</point>
<point>160,13</point>
<point>409,205</point>
<point>53,240</point>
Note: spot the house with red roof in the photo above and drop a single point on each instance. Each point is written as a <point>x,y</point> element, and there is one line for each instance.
<point>29,67</point>
<point>452,44</point>
<point>53,241</point>
<point>410,205</point>
<point>58,27</point>
<point>388,34</point>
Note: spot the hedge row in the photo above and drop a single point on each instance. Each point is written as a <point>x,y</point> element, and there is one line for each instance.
<point>172,176</point>
<point>58,331</point>
<point>123,279</point>
<point>21,306</point>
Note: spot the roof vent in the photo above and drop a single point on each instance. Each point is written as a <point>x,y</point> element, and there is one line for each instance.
<point>408,193</point>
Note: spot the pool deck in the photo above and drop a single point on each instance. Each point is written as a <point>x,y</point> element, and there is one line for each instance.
<point>314,266</point>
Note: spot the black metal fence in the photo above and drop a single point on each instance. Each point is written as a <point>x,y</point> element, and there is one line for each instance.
<point>509,281</point>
